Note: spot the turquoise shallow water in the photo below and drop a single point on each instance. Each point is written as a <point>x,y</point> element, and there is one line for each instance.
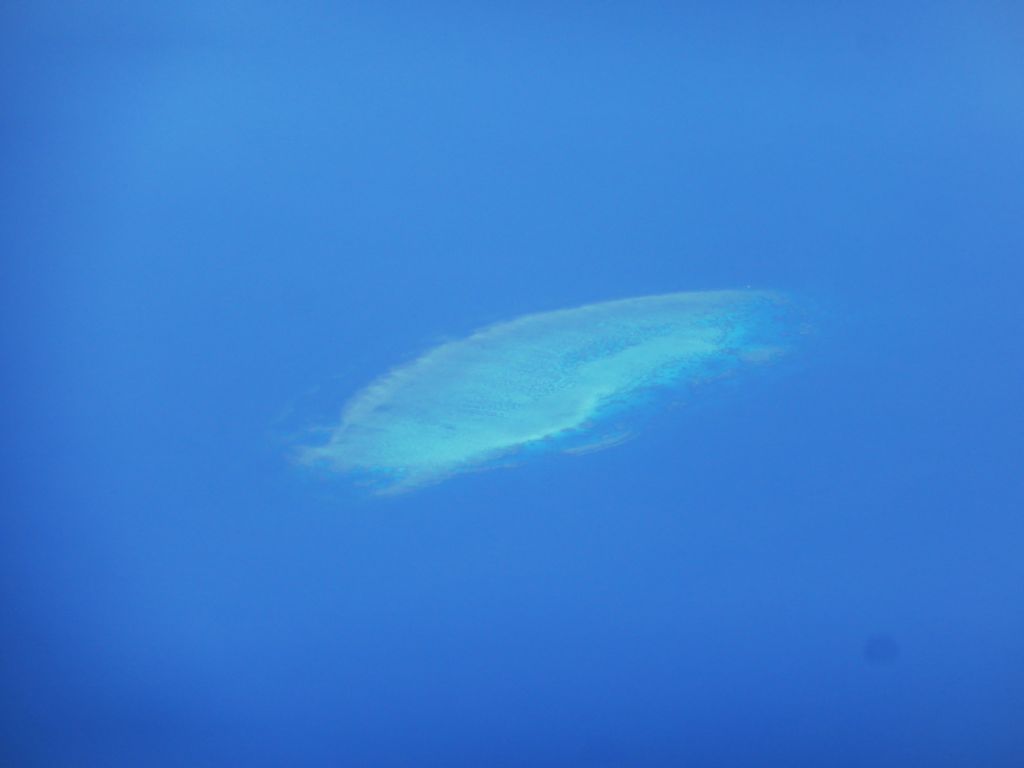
<point>545,381</point>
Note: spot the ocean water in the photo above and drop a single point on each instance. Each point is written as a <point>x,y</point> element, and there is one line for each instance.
<point>220,223</point>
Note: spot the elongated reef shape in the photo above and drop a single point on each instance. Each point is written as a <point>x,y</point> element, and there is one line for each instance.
<point>553,380</point>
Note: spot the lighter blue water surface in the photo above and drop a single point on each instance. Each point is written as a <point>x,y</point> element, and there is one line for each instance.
<point>708,540</point>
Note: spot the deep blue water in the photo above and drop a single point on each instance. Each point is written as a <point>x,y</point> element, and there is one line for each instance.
<point>211,211</point>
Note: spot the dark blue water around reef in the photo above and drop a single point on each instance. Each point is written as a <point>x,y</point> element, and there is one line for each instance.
<point>212,210</point>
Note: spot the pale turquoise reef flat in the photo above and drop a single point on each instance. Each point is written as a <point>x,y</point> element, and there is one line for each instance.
<point>546,380</point>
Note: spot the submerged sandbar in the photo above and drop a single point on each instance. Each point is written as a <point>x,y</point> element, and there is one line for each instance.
<point>546,380</point>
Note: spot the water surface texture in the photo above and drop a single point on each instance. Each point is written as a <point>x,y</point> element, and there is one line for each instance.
<point>544,380</point>
<point>334,434</point>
